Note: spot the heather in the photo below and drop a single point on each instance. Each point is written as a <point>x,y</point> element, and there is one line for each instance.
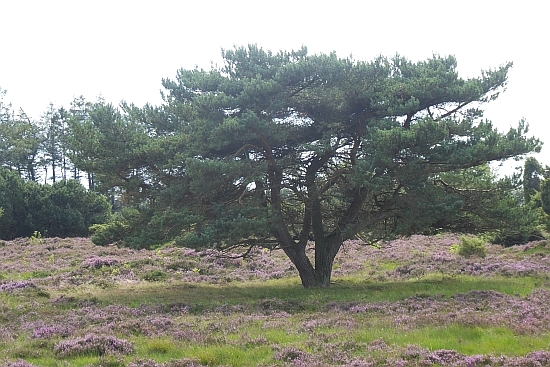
<point>409,302</point>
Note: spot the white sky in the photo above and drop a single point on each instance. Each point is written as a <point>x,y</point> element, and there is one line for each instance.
<point>53,51</point>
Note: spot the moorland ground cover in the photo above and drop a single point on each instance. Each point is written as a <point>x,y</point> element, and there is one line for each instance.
<point>409,302</point>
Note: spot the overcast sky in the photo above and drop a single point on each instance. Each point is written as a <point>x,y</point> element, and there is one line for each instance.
<point>53,51</point>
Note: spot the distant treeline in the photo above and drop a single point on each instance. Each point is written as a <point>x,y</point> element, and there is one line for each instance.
<point>42,186</point>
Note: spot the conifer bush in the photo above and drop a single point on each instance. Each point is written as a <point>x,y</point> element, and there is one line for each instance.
<point>470,246</point>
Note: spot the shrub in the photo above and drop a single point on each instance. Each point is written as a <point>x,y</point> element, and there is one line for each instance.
<point>36,238</point>
<point>40,274</point>
<point>182,265</point>
<point>155,276</point>
<point>107,233</point>
<point>470,246</point>
<point>518,236</point>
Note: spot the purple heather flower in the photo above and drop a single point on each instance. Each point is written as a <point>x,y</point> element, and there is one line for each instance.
<point>16,285</point>
<point>93,344</point>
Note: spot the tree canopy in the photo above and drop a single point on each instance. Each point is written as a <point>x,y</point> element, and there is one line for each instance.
<point>278,149</point>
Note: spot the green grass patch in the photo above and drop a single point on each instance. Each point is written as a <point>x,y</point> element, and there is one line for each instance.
<point>389,265</point>
<point>154,276</point>
<point>292,297</point>
<point>464,339</point>
<point>36,274</point>
<point>278,336</point>
<point>229,355</point>
<point>541,248</point>
<point>160,346</point>
<point>81,361</point>
<point>212,354</point>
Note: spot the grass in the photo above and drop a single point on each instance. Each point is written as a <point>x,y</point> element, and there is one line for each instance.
<point>205,296</point>
<point>541,248</point>
<point>230,355</point>
<point>464,339</point>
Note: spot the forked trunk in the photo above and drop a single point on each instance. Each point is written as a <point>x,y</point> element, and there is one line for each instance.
<point>325,252</point>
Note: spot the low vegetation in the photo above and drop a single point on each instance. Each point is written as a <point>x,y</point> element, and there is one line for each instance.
<point>409,302</point>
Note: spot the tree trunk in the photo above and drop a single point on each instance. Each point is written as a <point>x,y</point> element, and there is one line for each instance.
<point>323,268</point>
<point>53,170</point>
<point>306,271</point>
<point>91,181</point>
<point>325,252</point>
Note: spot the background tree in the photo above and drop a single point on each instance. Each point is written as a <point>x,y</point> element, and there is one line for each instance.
<point>5,108</point>
<point>13,201</point>
<point>81,137</point>
<point>545,196</point>
<point>55,144</point>
<point>135,157</point>
<point>532,174</point>
<point>64,209</point>
<point>108,145</point>
<point>491,205</point>
<point>536,189</point>
<point>277,149</point>
<point>20,141</point>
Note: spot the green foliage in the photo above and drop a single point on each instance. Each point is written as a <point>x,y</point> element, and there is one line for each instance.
<point>537,194</point>
<point>99,134</point>
<point>532,173</point>
<point>14,202</point>
<point>139,228</point>
<point>104,234</point>
<point>160,346</point>
<point>470,246</point>
<point>40,274</point>
<point>66,209</point>
<point>545,195</point>
<point>36,238</point>
<point>20,141</point>
<point>492,206</point>
<point>63,209</point>
<point>54,145</point>
<point>527,229</point>
<point>155,276</point>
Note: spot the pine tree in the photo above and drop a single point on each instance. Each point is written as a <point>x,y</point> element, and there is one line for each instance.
<point>278,149</point>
